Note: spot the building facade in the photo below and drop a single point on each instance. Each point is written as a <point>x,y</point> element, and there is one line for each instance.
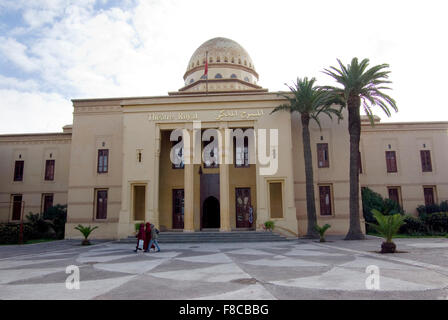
<point>129,160</point>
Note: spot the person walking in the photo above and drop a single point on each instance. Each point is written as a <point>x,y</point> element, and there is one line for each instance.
<point>148,236</point>
<point>154,236</point>
<point>141,237</point>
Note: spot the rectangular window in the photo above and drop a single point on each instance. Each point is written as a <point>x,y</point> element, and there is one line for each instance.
<point>276,199</point>
<point>103,161</point>
<point>391,161</point>
<point>325,200</point>
<point>47,201</point>
<point>139,202</point>
<point>425,156</point>
<point>241,154</point>
<point>394,194</point>
<point>211,157</point>
<point>16,206</point>
<point>179,151</point>
<point>18,170</point>
<point>101,204</point>
<point>49,170</point>
<point>429,195</point>
<point>323,160</point>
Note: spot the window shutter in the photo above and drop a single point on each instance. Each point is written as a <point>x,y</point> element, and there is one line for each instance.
<point>425,157</point>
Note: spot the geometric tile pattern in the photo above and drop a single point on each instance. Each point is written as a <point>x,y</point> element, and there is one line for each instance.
<point>292,270</point>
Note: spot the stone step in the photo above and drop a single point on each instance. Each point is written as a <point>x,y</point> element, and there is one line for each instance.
<point>214,237</point>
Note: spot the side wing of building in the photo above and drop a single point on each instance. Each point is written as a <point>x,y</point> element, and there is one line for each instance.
<point>406,162</point>
<point>34,172</point>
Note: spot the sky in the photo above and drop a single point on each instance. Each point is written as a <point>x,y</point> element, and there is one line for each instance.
<point>52,51</point>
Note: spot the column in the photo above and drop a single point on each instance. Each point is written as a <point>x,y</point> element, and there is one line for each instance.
<point>154,202</point>
<point>188,188</point>
<point>224,181</point>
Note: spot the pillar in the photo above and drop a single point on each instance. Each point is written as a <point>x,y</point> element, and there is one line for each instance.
<point>188,186</point>
<point>224,180</point>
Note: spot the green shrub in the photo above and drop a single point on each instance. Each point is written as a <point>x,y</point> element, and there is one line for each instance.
<point>9,233</point>
<point>322,230</point>
<point>372,200</point>
<point>58,215</point>
<point>436,222</point>
<point>269,225</point>
<point>413,225</point>
<point>40,228</point>
<point>86,231</point>
<point>433,208</point>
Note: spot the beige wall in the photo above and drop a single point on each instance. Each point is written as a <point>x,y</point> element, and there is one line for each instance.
<point>127,126</point>
<point>406,139</point>
<point>34,149</point>
<point>336,175</point>
<point>97,125</point>
<point>142,130</point>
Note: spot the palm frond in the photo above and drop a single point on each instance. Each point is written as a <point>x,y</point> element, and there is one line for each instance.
<point>368,84</point>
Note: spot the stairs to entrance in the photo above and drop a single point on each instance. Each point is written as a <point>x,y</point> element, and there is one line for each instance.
<point>214,237</point>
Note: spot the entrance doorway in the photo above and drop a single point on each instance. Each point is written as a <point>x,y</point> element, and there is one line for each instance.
<point>210,213</point>
<point>210,197</point>
<point>244,214</point>
<point>178,208</point>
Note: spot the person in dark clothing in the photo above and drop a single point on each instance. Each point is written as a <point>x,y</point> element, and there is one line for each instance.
<point>148,236</point>
<point>141,236</point>
<point>153,240</point>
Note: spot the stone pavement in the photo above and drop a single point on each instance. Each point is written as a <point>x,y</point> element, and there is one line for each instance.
<point>300,269</point>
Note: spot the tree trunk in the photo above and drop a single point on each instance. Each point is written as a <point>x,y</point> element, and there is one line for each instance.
<point>354,129</point>
<point>310,201</point>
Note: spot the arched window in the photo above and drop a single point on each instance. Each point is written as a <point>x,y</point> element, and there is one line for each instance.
<point>210,60</point>
<point>203,76</point>
<point>225,59</point>
<point>246,79</point>
<point>191,80</point>
<point>239,61</point>
<point>197,62</point>
<point>233,60</point>
<point>245,62</point>
<point>218,59</point>
<point>218,76</point>
<point>233,76</point>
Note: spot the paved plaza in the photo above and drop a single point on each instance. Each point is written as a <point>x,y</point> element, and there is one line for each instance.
<point>298,269</point>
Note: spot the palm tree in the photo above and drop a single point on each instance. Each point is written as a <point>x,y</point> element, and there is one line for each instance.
<point>359,86</point>
<point>309,101</point>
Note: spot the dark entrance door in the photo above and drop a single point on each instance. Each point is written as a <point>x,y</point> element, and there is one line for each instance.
<point>16,207</point>
<point>244,217</point>
<point>178,208</point>
<point>210,213</point>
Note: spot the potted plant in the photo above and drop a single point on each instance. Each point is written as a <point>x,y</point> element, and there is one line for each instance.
<point>387,227</point>
<point>86,231</point>
<point>322,230</point>
<point>269,225</point>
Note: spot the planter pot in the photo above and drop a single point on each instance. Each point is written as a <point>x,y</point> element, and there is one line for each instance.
<point>388,247</point>
<point>85,242</point>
